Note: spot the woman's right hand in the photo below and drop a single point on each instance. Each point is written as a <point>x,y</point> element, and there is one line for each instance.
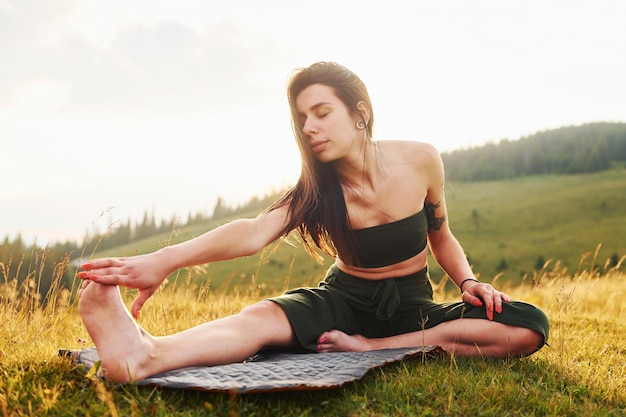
<point>146,273</point>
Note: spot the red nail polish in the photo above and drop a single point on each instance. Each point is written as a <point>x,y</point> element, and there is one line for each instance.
<point>82,275</point>
<point>86,266</point>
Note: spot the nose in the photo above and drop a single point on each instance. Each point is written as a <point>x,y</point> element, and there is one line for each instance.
<point>309,127</point>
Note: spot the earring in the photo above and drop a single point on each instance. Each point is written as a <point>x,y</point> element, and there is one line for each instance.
<point>360,125</point>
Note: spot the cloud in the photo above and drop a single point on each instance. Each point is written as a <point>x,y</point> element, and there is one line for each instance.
<point>164,67</point>
<point>173,69</point>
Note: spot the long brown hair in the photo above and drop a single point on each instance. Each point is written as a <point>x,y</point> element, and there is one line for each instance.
<point>317,208</point>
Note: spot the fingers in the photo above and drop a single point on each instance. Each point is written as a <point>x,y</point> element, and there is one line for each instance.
<point>103,276</point>
<point>101,263</point>
<point>138,303</point>
<point>107,271</point>
<point>472,299</point>
<point>489,304</point>
<point>485,294</point>
<point>87,276</point>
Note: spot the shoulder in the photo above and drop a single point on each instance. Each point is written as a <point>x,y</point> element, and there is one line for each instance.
<point>411,151</point>
<point>419,158</point>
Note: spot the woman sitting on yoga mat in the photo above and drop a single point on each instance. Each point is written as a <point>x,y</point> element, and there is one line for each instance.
<point>376,206</point>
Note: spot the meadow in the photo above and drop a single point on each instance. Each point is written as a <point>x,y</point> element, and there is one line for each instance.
<point>581,373</point>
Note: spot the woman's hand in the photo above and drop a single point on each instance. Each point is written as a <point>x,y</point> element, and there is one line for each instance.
<point>482,293</point>
<point>143,272</point>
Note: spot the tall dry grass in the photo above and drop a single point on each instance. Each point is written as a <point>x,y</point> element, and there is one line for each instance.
<point>583,371</point>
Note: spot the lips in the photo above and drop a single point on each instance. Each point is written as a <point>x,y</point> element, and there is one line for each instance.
<point>318,146</point>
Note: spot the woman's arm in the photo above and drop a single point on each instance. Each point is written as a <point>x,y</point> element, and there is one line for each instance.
<point>242,237</point>
<point>447,250</point>
<point>444,246</point>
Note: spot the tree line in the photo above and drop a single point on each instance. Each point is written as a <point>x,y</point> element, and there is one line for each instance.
<point>33,270</point>
<point>587,148</point>
<point>28,267</point>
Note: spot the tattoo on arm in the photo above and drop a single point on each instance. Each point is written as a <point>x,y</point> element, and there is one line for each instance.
<point>433,221</point>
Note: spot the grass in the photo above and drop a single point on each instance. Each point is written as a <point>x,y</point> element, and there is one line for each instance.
<point>516,222</point>
<point>581,373</point>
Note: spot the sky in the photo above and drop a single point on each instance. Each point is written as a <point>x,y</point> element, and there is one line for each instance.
<point>112,108</point>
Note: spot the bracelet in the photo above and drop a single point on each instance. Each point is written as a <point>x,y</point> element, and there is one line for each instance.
<point>464,281</point>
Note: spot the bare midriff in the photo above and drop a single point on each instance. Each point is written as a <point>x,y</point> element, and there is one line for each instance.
<point>400,269</point>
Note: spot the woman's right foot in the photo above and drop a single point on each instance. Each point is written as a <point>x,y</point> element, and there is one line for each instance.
<point>123,347</point>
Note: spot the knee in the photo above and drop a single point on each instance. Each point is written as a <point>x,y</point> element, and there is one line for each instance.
<point>529,342</point>
<point>262,309</point>
<point>519,342</point>
<point>269,323</point>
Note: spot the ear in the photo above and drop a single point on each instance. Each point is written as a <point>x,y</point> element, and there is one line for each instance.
<point>363,111</point>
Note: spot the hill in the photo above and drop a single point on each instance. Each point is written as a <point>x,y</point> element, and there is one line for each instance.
<point>514,226</point>
<point>590,147</point>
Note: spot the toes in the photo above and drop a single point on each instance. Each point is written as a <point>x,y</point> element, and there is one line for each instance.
<point>323,348</point>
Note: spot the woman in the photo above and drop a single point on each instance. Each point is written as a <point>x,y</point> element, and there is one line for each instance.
<point>375,206</point>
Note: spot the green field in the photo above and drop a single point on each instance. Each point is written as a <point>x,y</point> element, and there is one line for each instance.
<point>551,217</point>
<point>509,227</point>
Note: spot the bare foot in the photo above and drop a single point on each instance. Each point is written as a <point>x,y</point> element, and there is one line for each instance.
<point>123,347</point>
<point>338,341</point>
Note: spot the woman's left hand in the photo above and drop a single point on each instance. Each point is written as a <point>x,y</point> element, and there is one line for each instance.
<point>483,293</point>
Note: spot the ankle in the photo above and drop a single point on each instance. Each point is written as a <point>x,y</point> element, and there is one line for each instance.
<point>132,367</point>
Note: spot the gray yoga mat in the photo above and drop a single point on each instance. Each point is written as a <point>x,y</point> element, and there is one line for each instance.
<point>274,371</point>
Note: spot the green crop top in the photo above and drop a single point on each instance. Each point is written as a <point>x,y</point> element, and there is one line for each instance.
<point>393,242</point>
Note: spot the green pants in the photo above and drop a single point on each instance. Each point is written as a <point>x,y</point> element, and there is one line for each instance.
<point>386,308</point>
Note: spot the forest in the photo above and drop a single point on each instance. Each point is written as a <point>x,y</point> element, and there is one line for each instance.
<point>568,150</point>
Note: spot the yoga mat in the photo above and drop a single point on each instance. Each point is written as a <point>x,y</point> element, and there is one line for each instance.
<point>274,371</point>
